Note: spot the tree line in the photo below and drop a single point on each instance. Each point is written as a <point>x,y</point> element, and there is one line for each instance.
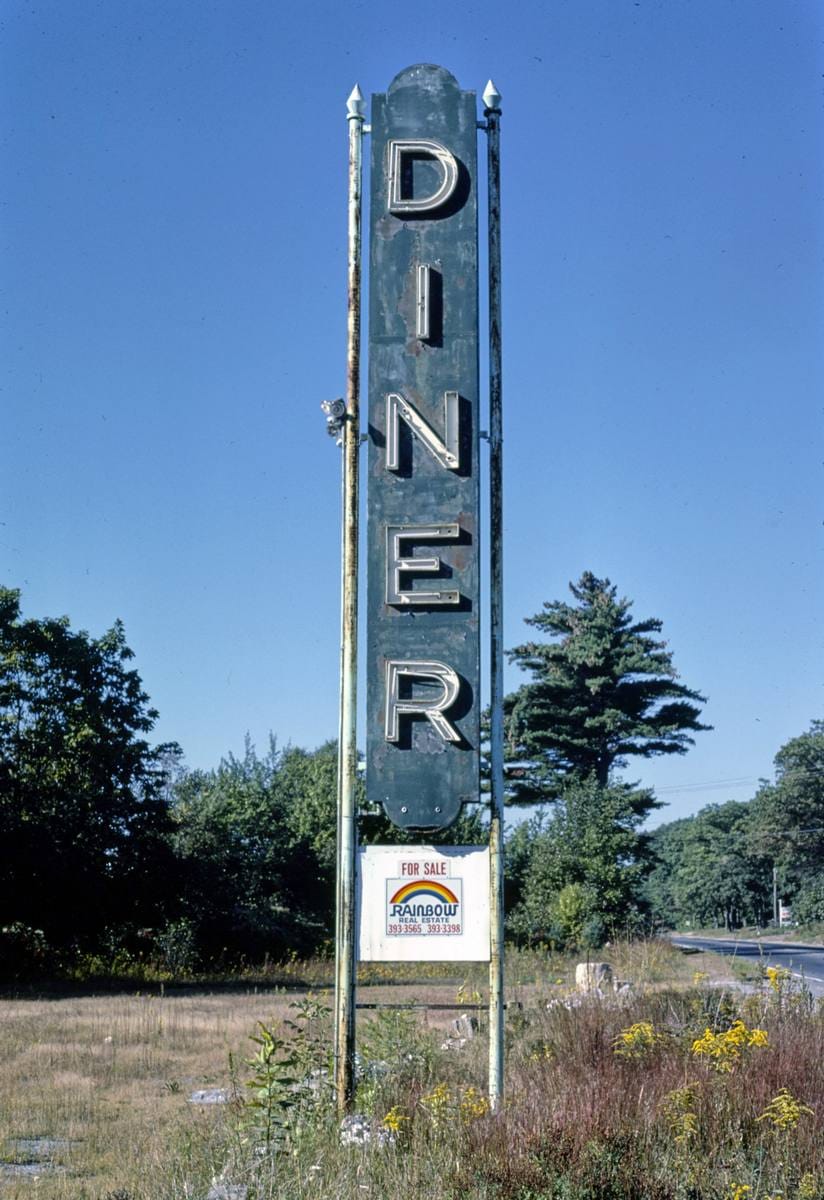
<point>724,866</point>
<point>112,849</point>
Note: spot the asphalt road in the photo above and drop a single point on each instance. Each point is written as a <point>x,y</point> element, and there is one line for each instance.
<point>804,962</point>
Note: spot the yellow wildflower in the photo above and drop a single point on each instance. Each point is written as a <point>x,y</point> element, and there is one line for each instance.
<point>777,977</point>
<point>724,1050</point>
<point>784,1111</point>
<point>473,1105</point>
<point>699,977</point>
<point>542,1052</point>
<point>437,1103</point>
<point>679,1113</point>
<point>808,1187</point>
<point>636,1041</point>
<point>739,1191</point>
<point>394,1119</point>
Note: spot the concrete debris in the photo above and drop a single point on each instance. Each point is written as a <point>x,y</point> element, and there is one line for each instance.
<point>210,1096</point>
<point>593,976</point>
<point>371,1068</point>
<point>619,992</point>
<point>31,1169</point>
<point>454,1043</point>
<point>34,1156</point>
<point>465,1026</point>
<point>358,1130</point>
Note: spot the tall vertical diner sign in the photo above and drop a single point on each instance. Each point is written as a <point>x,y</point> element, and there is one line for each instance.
<point>423,669</point>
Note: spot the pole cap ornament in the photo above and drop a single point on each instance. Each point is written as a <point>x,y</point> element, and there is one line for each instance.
<point>355,105</point>
<point>492,97</point>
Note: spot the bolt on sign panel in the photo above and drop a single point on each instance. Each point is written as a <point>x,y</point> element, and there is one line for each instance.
<point>423,668</point>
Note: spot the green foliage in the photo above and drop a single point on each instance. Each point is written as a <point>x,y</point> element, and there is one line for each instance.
<point>311,1034</point>
<point>716,868</point>
<point>787,817</point>
<point>255,839</point>
<point>289,1074</point>
<point>708,877</point>
<point>23,951</point>
<point>603,690</point>
<point>271,1090</point>
<point>178,949</point>
<point>396,1039</point>
<point>808,901</point>
<point>116,859</point>
<point>581,867</point>
<point>654,1099</point>
<point>83,796</point>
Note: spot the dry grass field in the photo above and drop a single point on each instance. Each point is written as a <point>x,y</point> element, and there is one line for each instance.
<point>110,1077</point>
<point>95,1092</point>
<point>107,1079</point>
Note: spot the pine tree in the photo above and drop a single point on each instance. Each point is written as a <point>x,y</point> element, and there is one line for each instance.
<point>602,690</point>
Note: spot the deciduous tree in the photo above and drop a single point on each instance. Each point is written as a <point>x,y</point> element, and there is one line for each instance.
<point>787,821</point>
<point>83,813</point>
<point>580,867</point>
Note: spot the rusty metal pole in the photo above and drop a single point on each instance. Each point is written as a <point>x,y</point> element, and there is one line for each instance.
<point>347,741</point>
<point>492,112</point>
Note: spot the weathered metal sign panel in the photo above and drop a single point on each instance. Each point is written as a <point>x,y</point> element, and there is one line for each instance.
<point>423,904</point>
<point>423,671</point>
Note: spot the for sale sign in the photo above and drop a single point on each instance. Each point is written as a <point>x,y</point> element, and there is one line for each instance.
<point>423,903</point>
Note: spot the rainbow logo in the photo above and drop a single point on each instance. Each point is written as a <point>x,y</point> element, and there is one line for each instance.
<point>416,890</point>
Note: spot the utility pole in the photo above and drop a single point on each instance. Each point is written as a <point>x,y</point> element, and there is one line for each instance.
<point>776,914</point>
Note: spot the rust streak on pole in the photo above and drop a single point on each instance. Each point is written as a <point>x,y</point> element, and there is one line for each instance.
<point>492,112</point>
<point>347,741</point>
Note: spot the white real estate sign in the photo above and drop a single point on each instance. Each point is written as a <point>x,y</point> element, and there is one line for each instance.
<point>423,904</point>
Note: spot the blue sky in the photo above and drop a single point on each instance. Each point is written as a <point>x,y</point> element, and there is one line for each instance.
<point>173,242</point>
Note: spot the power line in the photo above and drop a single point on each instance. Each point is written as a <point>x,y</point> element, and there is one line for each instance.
<point>710,785</point>
<point>741,781</point>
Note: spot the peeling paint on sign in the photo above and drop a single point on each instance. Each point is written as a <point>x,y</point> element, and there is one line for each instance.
<point>423,668</point>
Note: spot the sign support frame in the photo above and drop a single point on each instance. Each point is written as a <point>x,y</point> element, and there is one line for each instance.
<point>347,733</point>
<point>345,945</point>
<point>492,112</point>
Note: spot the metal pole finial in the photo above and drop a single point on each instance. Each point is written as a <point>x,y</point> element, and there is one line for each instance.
<point>492,98</point>
<point>355,105</point>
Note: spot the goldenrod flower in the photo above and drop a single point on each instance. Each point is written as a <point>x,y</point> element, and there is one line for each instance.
<point>473,1105</point>
<point>724,1050</point>
<point>784,1111</point>
<point>437,1103</point>
<point>679,1113</point>
<point>777,977</point>
<point>394,1119</point>
<point>636,1041</point>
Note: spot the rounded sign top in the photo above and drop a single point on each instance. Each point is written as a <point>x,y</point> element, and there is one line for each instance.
<point>426,76</point>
